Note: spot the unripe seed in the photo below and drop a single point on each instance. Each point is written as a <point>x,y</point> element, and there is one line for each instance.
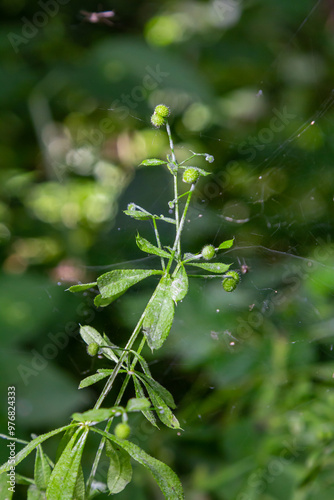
<point>157,120</point>
<point>230,284</point>
<point>190,175</point>
<point>93,349</point>
<point>122,431</point>
<point>208,252</point>
<point>162,110</point>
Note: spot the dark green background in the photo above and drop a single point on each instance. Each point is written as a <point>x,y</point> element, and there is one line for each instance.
<point>252,371</point>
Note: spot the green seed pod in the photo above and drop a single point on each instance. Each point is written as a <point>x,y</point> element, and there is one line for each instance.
<point>230,284</point>
<point>122,431</point>
<point>190,175</point>
<point>93,349</point>
<point>208,252</point>
<point>162,110</point>
<point>157,120</point>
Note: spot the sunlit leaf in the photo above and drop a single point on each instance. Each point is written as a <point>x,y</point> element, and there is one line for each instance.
<point>137,404</point>
<point>163,411</point>
<point>5,493</point>
<point>140,394</point>
<point>81,288</point>
<point>138,215</point>
<point>33,493</point>
<point>152,162</point>
<point>97,415</point>
<point>118,281</point>
<point>42,471</point>
<point>146,246</point>
<point>159,389</point>
<point>65,474</point>
<point>159,314</point>
<point>226,244</point>
<point>92,379</point>
<point>166,479</point>
<point>179,286</point>
<point>120,469</point>
<point>217,267</point>
<point>30,447</point>
<point>89,335</point>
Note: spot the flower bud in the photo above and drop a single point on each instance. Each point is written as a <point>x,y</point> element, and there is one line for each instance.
<point>208,252</point>
<point>157,120</point>
<point>230,284</point>
<point>122,431</point>
<point>190,175</point>
<point>162,110</point>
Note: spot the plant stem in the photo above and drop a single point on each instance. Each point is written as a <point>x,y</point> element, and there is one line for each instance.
<point>176,191</point>
<point>157,237</point>
<point>178,234</point>
<point>118,366</point>
<point>107,427</point>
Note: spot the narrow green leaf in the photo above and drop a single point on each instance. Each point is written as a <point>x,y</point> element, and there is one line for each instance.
<point>5,493</point>
<point>80,489</point>
<point>137,404</point>
<point>217,267</point>
<point>34,493</point>
<point>96,415</point>
<point>166,479</point>
<point>164,413</point>
<point>159,389</point>
<point>226,244</point>
<point>81,288</point>
<point>99,301</point>
<point>159,314</point>
<point>180,285</point>
<point>64,476</point>
<point>166,219</point>
<point>118,281</point>
<point>30,447</point>
<point>148,414</point>
<point>120,469</point>
<point>19,479</point>
<point>89,335</point>
<point>92,379</point>
<point>143,363</point>
<point>147,247</point>
<point>152,162</point>
<point>42,470</point>
<point>138,214</point>
<point>64,441</point>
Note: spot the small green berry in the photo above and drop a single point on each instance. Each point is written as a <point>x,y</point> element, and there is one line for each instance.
<point>208,252</point>
<point>157,120</point>
<point>230,284</point>
<point>162,110</point>
<point>122,431</point>
<point>93,349</point>
<point>190,175</point>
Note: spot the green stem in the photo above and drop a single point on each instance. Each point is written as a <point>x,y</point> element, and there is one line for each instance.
<point>157,237</point>
<point>107,427</point>
<point>178,234</point>
<point>176,191</point>
<point>118,366</point>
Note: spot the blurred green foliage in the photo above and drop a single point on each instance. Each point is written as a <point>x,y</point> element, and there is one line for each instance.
<point>251,371</point>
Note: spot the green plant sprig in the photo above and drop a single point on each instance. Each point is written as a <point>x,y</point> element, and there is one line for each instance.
<point>65,479</point>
